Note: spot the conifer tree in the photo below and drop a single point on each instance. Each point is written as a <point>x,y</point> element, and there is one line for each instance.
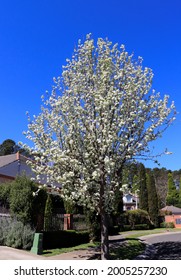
<point>143,194</point>
<point>152,199</point>
<point>172,194</point>
<point>48,213</point>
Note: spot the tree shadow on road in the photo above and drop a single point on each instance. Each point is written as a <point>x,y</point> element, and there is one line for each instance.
<point>167,251</point>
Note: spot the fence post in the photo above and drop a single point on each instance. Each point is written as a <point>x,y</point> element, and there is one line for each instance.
<point>68,221</point>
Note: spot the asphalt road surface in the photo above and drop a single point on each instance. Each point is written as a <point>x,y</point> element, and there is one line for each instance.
<point>162,247</point>
<point>166,237</point>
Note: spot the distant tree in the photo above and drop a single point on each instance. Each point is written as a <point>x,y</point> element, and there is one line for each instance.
<point>172,193</point>
<point>7,147</point>
<point>161,182</point>
<point>143,193</point>
<point>180,193</point>
<point>152,199</point>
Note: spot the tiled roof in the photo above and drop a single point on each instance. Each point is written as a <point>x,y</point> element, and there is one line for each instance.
<point>4,160</point>
<point>173,209</point>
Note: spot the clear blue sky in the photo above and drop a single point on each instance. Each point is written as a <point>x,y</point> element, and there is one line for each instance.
<point>37,36</point>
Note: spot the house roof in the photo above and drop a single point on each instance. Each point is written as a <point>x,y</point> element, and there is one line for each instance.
<point>173,209</point>
<point>13,165</point>
<point>16,164</point>
<point>5,160</point>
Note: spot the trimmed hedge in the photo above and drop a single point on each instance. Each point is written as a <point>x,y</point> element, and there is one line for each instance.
<point>135,219</point>
<point>64,239</point>
<point>141,227</point>
<point>167,225</point>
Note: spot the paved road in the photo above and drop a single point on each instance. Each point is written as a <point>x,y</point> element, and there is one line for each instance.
<point>162,247</point>
<point>166,237</point>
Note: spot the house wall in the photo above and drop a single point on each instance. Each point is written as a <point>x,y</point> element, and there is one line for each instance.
<point>5,179</point>
<point>175,218</point>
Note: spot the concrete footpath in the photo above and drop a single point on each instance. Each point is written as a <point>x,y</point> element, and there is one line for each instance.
<point>8,253</point>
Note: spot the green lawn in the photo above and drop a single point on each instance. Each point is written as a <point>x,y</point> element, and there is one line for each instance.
<point>136,233</point>
<point>53,252</point>
<point>128,250</point>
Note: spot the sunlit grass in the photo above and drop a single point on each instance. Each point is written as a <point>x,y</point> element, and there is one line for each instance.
<point>128,250</point>
<point>136,233</point>
<point>53,252</point>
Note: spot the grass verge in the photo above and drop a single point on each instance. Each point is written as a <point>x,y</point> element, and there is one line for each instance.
<point>53,252</point>
<point>128,250</point>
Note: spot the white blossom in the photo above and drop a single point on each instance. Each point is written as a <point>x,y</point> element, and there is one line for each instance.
<point>101,112</point>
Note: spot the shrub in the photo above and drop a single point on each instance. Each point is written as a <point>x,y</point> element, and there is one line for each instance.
<point>27,237</point>
<point>64,239</point>
<point>126,227</point>
<point>135,217</point>
<point>14,234</point>
<point>23,204</point>
<point>4,227</point>
<point>141,227</point>
<point>167,225</point>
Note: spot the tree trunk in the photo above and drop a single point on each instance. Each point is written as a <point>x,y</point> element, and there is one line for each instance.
<point>104,222</point>
<point>104,236</point>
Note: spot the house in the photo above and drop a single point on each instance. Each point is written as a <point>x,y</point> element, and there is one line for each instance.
<point>173,214</point>
<point>12,166</point>
<point>130,202</point>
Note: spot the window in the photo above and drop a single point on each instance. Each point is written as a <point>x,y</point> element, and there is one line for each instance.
<point>178,221</point>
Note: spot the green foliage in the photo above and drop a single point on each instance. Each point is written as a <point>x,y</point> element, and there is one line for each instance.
<point>63,239</point>
<point>135,217</point>
<point>18,196</point>
<point>7,147</point>
<point>180,193</point>
<point>4,227</point>
<point>152,199</point>
<point>143,194</point>
<point>14,234</point>
<point>21,199</point>
<point>167,225</point>
<point>94,222</point>
<point>5,195</point>
<point>48,214</point>
<point>172,194</point>
<point>128,250</point>
<point>141,227</point>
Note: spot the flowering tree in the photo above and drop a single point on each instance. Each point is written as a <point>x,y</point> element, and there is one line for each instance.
<point>99,115</point>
